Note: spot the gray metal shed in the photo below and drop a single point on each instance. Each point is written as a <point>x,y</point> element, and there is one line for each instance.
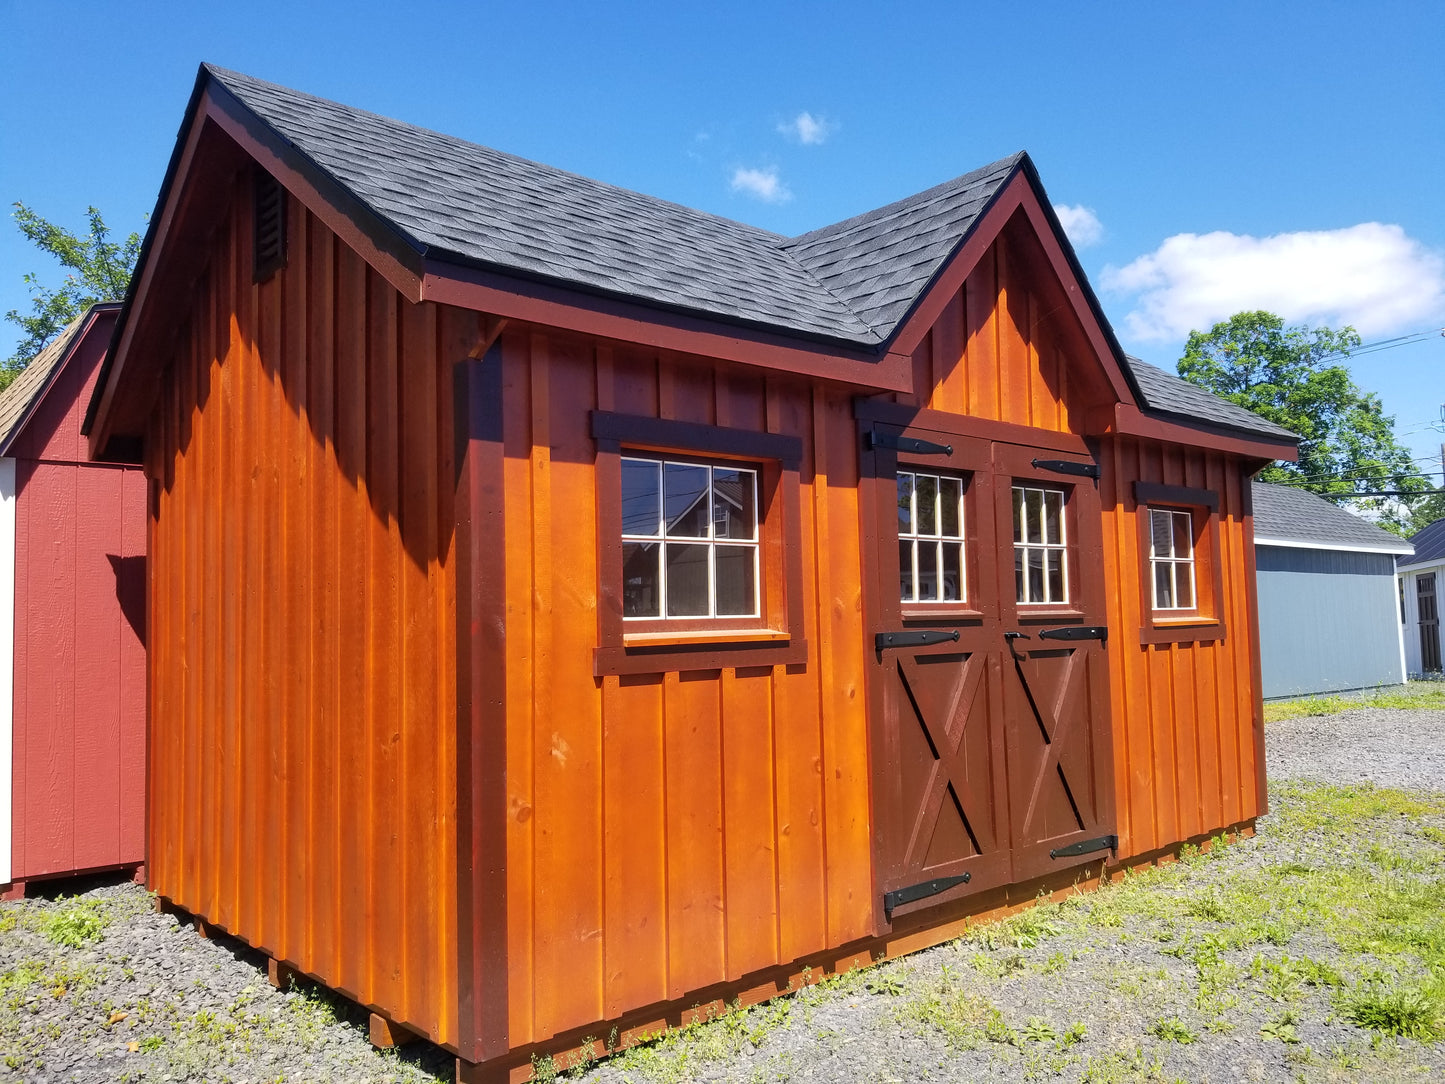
<point>1329,612</point>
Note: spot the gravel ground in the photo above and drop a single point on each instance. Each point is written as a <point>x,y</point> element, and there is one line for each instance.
<point>1388,747</point>
<point>1044,998</point>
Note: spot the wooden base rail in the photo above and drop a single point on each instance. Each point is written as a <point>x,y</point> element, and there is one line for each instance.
<point>582,1046</point>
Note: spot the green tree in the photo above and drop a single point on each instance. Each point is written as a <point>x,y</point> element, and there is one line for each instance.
<point>99,269</point>
<point>1292,376</point>
<point>1426,513</point>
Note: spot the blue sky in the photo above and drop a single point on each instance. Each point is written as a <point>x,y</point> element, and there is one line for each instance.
<point>1214,157</point>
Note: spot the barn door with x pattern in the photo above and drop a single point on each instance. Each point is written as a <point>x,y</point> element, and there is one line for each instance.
<point>1055,668</point>
<point>940,811</point>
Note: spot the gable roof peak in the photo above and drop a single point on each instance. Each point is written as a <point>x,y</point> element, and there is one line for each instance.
<point>19,401</point>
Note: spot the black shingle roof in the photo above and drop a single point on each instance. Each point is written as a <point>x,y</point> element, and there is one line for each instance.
<point>1287,514</point>
<point>1429,544</point>
<point>1168,394</point>
<point>853,282</point>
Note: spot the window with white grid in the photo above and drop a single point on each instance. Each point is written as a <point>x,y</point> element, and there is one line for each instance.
<point>930,538</point>
<point>689,539</point>
<point>1171,558</point>
<point>1041,568</point>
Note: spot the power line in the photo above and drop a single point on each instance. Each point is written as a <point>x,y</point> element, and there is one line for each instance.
<point>1344,476</point>
<point>1384,344</point>
<point>1383,493</point>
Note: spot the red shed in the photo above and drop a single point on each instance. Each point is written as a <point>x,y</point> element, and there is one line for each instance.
<point>569,608</point>
<point>72,703</point>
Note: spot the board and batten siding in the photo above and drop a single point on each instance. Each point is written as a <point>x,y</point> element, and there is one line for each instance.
<point>670,832</point>
<point>303,749</point>
<point>1329,620</point>
<point>1188,725</point>
<point>1187,737</point>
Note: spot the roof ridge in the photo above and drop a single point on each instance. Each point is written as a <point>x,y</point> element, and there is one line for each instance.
<point>225,74</point>
<point>907,202</point>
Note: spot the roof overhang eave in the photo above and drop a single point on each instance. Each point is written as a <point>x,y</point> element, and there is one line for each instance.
<point>1343,547</point>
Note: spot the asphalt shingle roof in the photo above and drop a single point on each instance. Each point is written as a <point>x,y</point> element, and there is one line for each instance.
<point>853,282</point>
<point>1288,514</point>
<point>1168,394</point>
<point>1429,544</point>
<point>17,401</point>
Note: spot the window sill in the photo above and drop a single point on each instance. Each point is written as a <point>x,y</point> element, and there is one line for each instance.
<point>942,614</point>
<point>683,639</point>
<point>1040,616</point>
<point>1178,630</point>
<point>663,653</point>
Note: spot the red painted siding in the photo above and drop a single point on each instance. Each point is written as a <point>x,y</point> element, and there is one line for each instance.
<point>79,701</point>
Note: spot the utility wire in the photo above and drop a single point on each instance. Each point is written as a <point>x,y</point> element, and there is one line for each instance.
<point>1384,344</point>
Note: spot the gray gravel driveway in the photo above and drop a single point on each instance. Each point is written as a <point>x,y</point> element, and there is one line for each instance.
<point>1118,986</point>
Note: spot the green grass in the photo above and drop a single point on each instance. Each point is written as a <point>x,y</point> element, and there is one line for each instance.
<point>1339,919</point>
<point>1415,694</point>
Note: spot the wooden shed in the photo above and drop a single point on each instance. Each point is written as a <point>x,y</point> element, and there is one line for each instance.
<point>1329,616</point>
<point>72,636</point>
<point>570,608</point>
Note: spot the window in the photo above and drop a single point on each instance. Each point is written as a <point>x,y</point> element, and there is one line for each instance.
<point>1171,558</point>
<point>699,555</point>
<point>930,538</point>
<point>1181,582</point>
<point>1041,574</point>
<point>689,539</point>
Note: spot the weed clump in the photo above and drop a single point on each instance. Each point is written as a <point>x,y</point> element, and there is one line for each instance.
<point>73,927</point>
<point>1411,1013</point>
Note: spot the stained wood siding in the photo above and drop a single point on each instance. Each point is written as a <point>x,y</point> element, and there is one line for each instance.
<point>1004,349</point>
<point>79,657</point>
<point>302,752</point>
<point>669,832</point>
<point>1186,716</point>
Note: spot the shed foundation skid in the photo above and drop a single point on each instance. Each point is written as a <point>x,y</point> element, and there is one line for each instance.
<point>543,646</point>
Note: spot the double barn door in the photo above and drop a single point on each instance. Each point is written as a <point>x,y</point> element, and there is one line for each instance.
<point>990,698</point>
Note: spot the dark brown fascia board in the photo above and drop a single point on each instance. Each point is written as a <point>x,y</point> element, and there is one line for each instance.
<point>422,275</point>
<point>621,320</point>
<point>102,395</point>
<point>183,222</point>
<point>396,255</point>
<point>1022,191</point>
<point>92,316</point>
<point>1182,429</point>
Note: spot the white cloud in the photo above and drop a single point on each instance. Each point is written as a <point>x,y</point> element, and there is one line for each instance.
<point>1080,223</point>
<point>763,184</point>
<point>806,128</point>
<point>1371,276</point>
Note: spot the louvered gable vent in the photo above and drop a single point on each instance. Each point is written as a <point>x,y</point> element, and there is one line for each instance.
<point>269,219</point>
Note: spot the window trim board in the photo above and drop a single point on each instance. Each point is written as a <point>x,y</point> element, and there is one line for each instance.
<point>1205,623</point>
<point>775,637</point>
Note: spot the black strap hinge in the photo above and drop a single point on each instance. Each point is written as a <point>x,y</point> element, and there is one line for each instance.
<point>899,896</point>
<point>1077,632</point>
<point>913,638</point>
<point>906,444</point>
<point>1086,846</point>
<point>1068,466</point>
